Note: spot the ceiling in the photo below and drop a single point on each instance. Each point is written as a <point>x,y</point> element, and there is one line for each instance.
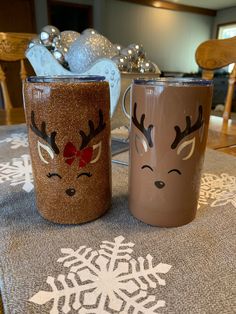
<point>208,4</point>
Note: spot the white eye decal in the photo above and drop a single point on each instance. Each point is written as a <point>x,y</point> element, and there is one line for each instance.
<point>99,147</point>
<point>183,145</point>
<point>140,145</point>
<point>47,149</point>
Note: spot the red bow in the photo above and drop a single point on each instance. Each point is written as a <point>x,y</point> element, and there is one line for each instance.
<point>71,153</point>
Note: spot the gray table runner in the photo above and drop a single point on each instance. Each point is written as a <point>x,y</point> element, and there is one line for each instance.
<point>115,264</point>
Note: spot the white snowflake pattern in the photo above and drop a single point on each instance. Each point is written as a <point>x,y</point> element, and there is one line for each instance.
<point>105,281</point>
<point>17,140</point>
<point>219,188</point>
<point>18,171</point>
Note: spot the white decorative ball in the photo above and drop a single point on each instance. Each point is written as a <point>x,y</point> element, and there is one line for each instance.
<point>56,41</point>
<point>118,48</point>
<point>122,62</point>
<point>133,67</point>
<point>89,31</point>
<point>68,37</point>
<point>34,41</point>
<point>48,34</point>
<point>59,54</point>
<point>138,49</point>
<point>147,66</point>
<point>129,53</point>
<point>86,50</point>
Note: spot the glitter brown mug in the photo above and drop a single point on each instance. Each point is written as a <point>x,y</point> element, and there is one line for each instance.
<point>68,120</point>
<point>168,133</point>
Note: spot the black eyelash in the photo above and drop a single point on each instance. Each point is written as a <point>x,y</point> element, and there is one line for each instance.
<point>175,170</point>
<point>88,174</point>
<point>147,166</point>
<point>49,175</point>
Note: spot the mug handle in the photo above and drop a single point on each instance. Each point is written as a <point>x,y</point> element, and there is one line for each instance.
<point>124,101</point>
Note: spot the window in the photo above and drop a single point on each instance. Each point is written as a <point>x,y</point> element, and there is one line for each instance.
<point>227,31</point>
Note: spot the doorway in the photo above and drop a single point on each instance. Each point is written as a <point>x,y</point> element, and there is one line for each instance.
<point>70,16</point>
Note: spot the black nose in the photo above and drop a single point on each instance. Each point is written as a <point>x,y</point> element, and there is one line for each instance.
<point>159,184</point>
<point>70,192</point>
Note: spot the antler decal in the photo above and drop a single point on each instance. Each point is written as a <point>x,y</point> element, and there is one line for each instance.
<point>42,133</point>
<point>140,126</point>
<point>92,131</point>
<point>189,129</point>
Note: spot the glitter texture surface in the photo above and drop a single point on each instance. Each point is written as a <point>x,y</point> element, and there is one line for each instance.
<point>67,108</point>
<point>86,50</point>
<point>68,37</point>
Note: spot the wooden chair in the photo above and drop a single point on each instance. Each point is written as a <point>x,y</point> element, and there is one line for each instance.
<point>215,54</point>
<point>12,48</point>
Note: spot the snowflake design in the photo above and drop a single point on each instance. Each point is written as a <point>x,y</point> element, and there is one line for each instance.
<point>219,188</point>
<point>17,140</point>
<point>105,281</point>
<point>18,171</point>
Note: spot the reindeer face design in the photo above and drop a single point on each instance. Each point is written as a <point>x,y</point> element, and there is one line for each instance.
<point>182,140</point>
<point>166,155</point>
<point>85,155</point>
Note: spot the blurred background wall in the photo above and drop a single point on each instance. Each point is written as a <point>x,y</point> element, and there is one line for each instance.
<point>170,38</point>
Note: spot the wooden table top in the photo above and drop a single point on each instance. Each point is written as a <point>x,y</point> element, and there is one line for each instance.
<point>218,140</point>
<point>219,125</point>
<point>228,150</point>
<point>222,135</point>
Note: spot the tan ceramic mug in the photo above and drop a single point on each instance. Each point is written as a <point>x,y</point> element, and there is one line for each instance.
<point>168,133</point>
<point>68,121</point>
